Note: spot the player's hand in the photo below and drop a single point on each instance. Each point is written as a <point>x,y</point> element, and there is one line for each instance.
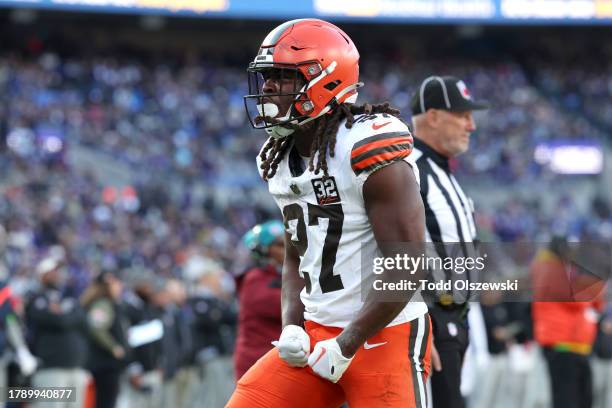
<point>327,360</point>
<point>293,346</point>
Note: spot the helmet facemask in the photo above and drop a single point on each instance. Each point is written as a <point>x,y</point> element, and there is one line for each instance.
<point>265,114</point>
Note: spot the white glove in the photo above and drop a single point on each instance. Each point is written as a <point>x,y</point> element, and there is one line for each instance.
<point>327,360</point>
<point>293,346</point>
<point>26,361</point>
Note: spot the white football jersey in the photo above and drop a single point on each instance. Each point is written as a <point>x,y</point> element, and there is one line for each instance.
<point>327,221</point>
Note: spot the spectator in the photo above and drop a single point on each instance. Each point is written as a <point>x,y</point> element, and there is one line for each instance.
<point>565,322</point>
<point>213,315</point>
<point>171,352</point>
<point>259,294</point>
<point>507,325</point>
<point>145,337</point>
<point>108,346</point>
<point>12,341</point>
<point>178,346</point>
<point>602,362</point>
<point>58,326</point>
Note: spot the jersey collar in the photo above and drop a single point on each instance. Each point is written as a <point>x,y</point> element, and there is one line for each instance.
<point>429,152</point>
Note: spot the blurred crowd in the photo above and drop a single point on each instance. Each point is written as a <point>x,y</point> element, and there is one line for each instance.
<point>187,120</point>
<point>580,87</point>
<point>52,204</point>
<point>190,118</point>
<point>527,220</point>
<point>170,257</point>
<point>130,338</point>
<point>502,149</point>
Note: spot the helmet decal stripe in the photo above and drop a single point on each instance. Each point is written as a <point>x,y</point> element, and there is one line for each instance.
<point>272,38</point>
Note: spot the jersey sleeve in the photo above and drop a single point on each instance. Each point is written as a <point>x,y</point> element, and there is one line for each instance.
<point>381,141</point>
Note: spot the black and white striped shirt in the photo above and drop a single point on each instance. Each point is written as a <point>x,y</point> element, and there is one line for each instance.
<point>449,212</point>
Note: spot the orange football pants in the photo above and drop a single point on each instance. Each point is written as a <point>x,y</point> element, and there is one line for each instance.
<point>390,370</point>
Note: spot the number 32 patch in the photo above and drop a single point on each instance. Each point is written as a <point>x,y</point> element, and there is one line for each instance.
<point>326,191</point>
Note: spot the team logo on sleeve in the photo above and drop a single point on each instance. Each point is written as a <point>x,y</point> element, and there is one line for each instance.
<point>326,191</point>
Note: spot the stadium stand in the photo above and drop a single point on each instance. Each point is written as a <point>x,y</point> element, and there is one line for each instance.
<point>139,160</point>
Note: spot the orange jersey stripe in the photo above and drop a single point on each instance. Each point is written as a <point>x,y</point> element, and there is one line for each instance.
<point>380,143</point>
<point>382,157</point>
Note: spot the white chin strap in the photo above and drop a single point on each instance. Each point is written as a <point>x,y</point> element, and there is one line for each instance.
<point>278,132</point>
<point>352,98</point>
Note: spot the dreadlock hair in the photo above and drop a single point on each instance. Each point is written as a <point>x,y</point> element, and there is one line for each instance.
<point>324,140</point>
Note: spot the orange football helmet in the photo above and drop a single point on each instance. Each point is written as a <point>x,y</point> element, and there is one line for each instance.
<point>317,53</point>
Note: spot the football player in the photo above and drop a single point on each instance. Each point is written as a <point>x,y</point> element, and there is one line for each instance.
<point>341,175</point>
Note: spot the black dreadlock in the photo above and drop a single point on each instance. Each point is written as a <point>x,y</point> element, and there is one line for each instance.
<point>324,139</point>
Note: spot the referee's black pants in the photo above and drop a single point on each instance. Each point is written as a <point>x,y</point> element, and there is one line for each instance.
<point>570,379</point>
<point>451,340</point>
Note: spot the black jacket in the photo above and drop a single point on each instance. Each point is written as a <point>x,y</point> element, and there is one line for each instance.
<point>211,319</point>
<point>177,343</point>
<point>59,340</point>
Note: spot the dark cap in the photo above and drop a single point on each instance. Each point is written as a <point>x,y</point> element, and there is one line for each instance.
<point>447,92</point>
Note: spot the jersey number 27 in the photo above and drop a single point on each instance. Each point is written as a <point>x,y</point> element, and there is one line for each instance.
<point>293,212</point>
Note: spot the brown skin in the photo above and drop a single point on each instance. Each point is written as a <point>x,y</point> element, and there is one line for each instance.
<point>395,210</point>
<point>448,133</point>
<point>273,85</point>
<point>292,308</point>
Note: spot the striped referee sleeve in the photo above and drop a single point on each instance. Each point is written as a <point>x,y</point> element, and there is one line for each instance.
<point>378,151</point>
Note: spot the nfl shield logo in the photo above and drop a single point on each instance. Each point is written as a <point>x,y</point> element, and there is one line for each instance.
<point>295,188</point>
<point>463,90</point>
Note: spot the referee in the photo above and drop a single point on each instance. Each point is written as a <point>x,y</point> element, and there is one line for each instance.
<point>442,119</point>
